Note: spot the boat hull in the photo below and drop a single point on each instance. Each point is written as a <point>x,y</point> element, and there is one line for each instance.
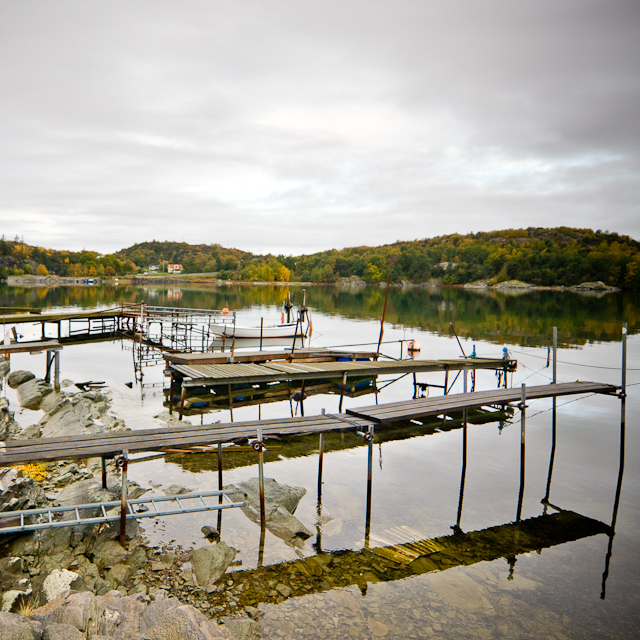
<point>287,330</point>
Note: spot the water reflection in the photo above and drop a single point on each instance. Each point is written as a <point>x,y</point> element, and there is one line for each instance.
<point>494,316</point>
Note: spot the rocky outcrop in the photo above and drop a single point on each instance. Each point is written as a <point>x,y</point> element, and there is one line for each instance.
<point>16,378</point>
<point>113,616</point>
<point>32,392</point>
<point>210,563</point>
<point>281,501</point>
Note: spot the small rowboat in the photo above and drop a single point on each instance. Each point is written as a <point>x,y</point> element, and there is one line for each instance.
<point>286,330</point>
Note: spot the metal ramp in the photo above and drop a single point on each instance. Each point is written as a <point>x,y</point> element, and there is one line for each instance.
<point>111,511</point>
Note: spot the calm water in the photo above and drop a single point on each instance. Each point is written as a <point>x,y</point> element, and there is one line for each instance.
<point>544,579</point>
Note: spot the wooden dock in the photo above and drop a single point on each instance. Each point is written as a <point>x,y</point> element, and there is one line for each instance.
<point>108,445</point>
<point>196,375</point>
<point>394,411</point>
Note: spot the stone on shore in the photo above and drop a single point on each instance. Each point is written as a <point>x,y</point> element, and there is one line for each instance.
<point>5,367</point>
<point>31,393</point>
<point>281,502</point>
<point>17,627</point>
<point>16,378</point>
<point>209,564</point>
<point>114,615</point>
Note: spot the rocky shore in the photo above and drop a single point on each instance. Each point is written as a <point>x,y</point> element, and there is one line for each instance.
<point>73,582</point>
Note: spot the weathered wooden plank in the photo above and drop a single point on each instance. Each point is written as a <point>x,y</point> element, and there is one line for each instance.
<point>458,402</point>
<point>30,347</point>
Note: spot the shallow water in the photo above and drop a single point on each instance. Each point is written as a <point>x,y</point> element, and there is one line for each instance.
<point>491,578</point>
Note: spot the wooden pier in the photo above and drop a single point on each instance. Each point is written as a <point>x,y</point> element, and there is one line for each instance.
<point>52,348</point>
<point>108,445</point>
<point>196,375</point>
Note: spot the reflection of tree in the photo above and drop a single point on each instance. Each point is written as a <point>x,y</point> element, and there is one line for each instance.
<point>494,316</point>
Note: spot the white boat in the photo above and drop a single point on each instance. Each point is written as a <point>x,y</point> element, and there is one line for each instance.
<point>286,330</point>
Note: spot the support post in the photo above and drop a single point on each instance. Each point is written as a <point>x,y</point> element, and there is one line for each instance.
<point>104,473</point>
<point>261,329</point>
<point>183,395</point>
<point>171,393</point>
<point>384,313</point>
<point>624,360</point>
<point>464,382</point>
<point>122,462</point>
<point>367,528</point>
<point>260,447</point>
<point>446,380</point>
<point>523,414</point>
<point>555,355</point>
<point>344,384</point>
<point>56,370</point>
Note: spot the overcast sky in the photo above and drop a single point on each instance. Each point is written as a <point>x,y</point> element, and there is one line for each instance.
<point>291,126</point>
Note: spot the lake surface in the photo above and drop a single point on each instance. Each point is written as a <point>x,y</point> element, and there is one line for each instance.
<point>507,565</point>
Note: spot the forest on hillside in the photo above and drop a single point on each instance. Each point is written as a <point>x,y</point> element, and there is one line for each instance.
<point>540,256</point>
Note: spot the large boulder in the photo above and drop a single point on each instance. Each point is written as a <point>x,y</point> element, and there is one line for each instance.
<point>16,378</point>
<point>31,393</point>
<point>65,422</point>
<point>17,627</point>
<point>210,563</point>
<point>281,502</point>
<point>125,618</point>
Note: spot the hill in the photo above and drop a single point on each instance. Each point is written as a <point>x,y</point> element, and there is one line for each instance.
<point>540,256</point>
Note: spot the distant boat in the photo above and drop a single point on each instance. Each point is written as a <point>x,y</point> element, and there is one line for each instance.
<point>286,330</point>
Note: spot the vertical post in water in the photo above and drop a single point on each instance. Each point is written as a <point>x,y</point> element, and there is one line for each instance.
<point>260,448</point>
<point>523,413</point>
<point>384,313</point>
<point>555,355</point>
<point>261,328</point>
<point>104,472</point>
<point>464,381</point>
<point>624,360</point>
<point>220,468</point>
<point>56,370</point>
<point>122,463</point>
<point>367,528</point>
<point>344,384</point>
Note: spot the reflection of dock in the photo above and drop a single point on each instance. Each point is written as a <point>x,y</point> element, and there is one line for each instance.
<point>391,562</point>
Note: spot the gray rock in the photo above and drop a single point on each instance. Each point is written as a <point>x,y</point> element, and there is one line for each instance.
<point>5,367</point>
<point>19,491</point>
<point>275,494</point>
<point>185,623</point>
<point>281,502</point>
<point>119,573</point>
<point>54,402</point>
<point>58,581</point>
<point>209,563</point>
<point>8,426</point>
<point>176,490</point>
<point>56,631</point>
<point>16,378</point>
<point>17,627</point>
<point>210,532</point>
<point>31,393</point>
<point>288,528</point>
<point>243,628</point>
<point>65,422</point>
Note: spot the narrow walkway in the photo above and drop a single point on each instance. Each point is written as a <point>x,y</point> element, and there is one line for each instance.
<point>108,445</point>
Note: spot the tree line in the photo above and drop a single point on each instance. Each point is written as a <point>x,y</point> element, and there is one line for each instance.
<point>540,256</point>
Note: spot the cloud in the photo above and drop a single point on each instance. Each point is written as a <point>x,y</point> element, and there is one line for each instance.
<point>293,126</point>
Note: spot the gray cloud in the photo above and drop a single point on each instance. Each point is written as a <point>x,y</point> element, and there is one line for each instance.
<point>293,126</point>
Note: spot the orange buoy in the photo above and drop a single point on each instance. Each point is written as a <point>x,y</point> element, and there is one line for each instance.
<point>414,345</point>
<point>225,312</point>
